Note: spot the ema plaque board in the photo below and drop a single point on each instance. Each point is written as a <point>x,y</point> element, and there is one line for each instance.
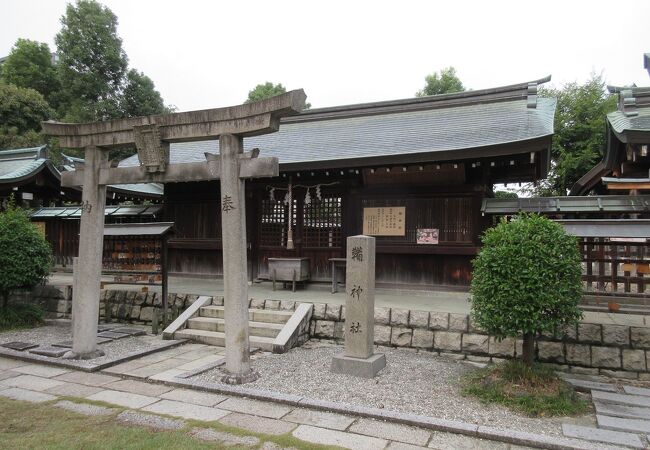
<point>386,221</point>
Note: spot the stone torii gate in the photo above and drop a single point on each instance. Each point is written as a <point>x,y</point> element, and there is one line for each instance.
<point>151,136</point>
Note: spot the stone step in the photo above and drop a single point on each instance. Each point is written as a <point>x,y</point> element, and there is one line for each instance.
<point>219,339</point>
<point>256,315</point>
<point>628,412</point>
<point>586,385</point>
<point>621,399</point>
<point>264,329</point>
<point>618,424</point>
<point>633,390</point>
<point>598,435</point>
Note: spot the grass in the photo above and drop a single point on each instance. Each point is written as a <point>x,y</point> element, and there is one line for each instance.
<point>536,391</point>
<point>20,316</point>
<point>30,426</point>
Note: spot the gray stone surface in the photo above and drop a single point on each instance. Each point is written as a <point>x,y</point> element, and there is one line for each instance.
<point>130,331</point>
<point>333,312</point>
<point>623,374</point>
<point>439,321</point>
<point>227,439</point>
<point>475,343</point>
<point>90,379</point>
<point>31,382</point>
<point>185,410</point>
<point>587,385</point>
<point>73,390</point>
<point>126,399</point>
<point>399,317</point>
<point>608,357</point>
<point>112,335</point>
<point>578,354</point>
<point>422,338</point>
<point>358,367</point>
<point>640,337</point>
<point>633,390</point>
<point>258,424</point>
<point>195,397</point>
<point>391,431</point>
<point>20,346</point>
<point>150,420</point>
<point>85,408</point>
<point>382,316</point>
<point>360,297</point>
<point>382,334</point>
<point>458,322</point>
<point>41,370</point>
<point>443,441</point>
<point>139,387</point>
<point>445,340</point>
<point>616,334</point>
<point>589,332</point>
<point>321,419</point>
<point>551,351</point>
<point>621,399</point>
<point>401,336</point>
<point>620,424</point>
<point>614,410</point>
<point>26,395</point>
<point>256,407</point>
<point>419,319</point>
<point>48,350</point>
<point>324,329</point>
<point>324,436</point>
<point>634,360</point>
<point>319,311</point>
<point>503,347</point>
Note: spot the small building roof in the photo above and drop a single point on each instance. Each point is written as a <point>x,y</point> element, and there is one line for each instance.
<point>75,211</point>
<point>138,229</point>
<point>470,124</point>
<point>23,163</point>
<point>607,228</point>
<point>561,205</point>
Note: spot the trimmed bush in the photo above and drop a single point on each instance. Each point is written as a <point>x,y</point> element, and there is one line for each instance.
<point>25,255</point>
<point>526,280</point>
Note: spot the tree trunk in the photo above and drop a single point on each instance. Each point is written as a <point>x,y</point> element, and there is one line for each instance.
<point>528,354</point>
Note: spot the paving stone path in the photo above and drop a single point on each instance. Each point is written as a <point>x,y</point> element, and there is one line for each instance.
<point>139,386</point>
<point>622,413</point>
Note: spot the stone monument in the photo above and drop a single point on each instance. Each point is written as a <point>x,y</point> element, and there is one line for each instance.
<point>359,358</point>
<point>151,136</point>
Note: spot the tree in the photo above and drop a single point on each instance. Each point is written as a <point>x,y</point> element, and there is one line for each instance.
<point>140,97</point>
<point>526,280</point>
<point>505,194</point>
<point>21,113</point>
<point>25,255</point>
<point>92,64</point>
<point>445,83</point>
<point>29,65</point>
<point>267,90</point>
<point>579,132</point>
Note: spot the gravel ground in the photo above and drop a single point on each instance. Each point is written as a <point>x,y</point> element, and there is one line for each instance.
<point>51,334</point>
<point>420,383</point>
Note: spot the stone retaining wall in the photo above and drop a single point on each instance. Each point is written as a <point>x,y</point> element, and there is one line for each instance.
<point>615,350</point>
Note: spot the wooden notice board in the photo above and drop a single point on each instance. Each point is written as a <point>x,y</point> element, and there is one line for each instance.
<point>387,221</point>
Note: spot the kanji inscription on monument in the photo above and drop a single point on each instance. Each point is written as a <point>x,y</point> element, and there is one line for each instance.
<point>358,358</point>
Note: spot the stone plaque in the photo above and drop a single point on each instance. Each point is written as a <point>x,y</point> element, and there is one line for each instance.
<point>20,346</point>
<point>385,221</point>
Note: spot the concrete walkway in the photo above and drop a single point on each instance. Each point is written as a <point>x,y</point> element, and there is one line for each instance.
<point>131,385</point>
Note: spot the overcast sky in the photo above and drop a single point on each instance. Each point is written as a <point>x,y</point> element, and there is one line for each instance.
<point>205,54</point>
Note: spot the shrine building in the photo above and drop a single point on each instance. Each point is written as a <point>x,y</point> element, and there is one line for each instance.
<point>411,172</point>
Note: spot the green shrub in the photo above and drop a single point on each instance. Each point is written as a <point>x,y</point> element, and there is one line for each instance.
<point>526,280</point>
<point>20,315</point>
<point>25,255</point>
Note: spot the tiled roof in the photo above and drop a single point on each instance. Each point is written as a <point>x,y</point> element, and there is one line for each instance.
<point>16,165</point>
<point>633,113</point>
<point>434,127</point>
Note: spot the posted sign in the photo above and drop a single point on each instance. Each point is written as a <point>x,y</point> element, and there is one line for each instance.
<point>386,221</point>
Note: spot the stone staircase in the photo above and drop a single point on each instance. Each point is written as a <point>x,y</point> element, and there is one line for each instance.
<point>270,330</point>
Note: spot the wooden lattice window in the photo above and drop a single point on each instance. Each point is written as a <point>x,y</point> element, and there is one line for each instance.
<point>273,229</point>
<point>322,222</point>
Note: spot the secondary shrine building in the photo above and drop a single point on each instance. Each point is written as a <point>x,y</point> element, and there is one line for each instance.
<point>411,172</point>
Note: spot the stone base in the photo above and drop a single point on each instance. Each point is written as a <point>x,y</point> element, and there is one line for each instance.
<point>84,356</point>
<point>249,377</point>
<point>358,367</point>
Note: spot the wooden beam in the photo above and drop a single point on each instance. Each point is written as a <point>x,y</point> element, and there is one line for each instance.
<point>627,186</point>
